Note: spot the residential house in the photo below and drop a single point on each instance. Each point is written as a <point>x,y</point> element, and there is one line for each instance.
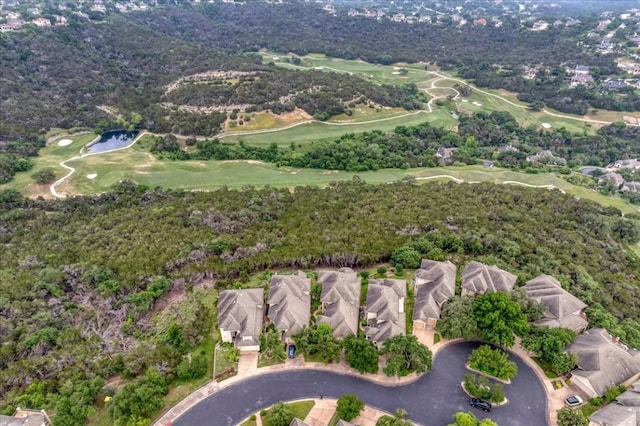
<point>289,303</point>
<point>41,22</point>
<point>298,422</point>
<point>562,308</point>
<point>632,68</point>
<point>546,157</point>
<point>479,278</point>
<point>435,283</point>
<point>540,26</point>
<point>444,154</point>
<point>603,362</point>
<point>614,178</point>
<point>385,310</point>
<point>627,164</point>
<point>240,317</point>
<point>631,186</point>
<point>480,21</point>
<point>625,411</point>
<point>606,46</point>
<point>340,300</point>
<point>615,84</point>
<point>581,70</point>
<point>22,417</point>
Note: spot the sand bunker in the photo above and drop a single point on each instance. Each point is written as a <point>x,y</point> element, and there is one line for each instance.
<point>64,142</point>
<point>92,175</point>
<point>465,100</point>
<point>546,125</point>
<point>477,103</point>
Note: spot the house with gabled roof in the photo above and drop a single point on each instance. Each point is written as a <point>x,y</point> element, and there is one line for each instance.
<point>479,278</point>
<point>297,422</point>
<point>23,417</point>
<point>631,186</point>
<point>289,303</point>
<point>385,310</point>
<point>240,317</point>
<point>340,299</point>
<point>434,283</point>
<point>624,411</point>
<point>562,308</point>
<point>603,362</point>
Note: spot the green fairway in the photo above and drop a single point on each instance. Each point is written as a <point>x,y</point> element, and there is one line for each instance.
<point>143,167</point>
<point>308,132</point>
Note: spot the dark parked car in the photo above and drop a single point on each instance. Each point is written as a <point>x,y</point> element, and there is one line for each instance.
<point>292,351</point>
<point>480,403</point>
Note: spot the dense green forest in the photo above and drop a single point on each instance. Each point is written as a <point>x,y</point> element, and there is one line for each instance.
<point>80,278</point>
<point>127,62</point>
<point>480,136</point>
<point>490,56</point>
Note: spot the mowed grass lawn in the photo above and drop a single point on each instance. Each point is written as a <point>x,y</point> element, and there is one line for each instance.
<point>309,132</point>
<point>390,74</point>
<point>211,175</point>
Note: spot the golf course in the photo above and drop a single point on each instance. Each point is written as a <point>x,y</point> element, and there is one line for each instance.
<point>86,173</point>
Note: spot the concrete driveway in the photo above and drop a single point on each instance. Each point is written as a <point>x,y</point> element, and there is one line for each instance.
<point>431,400</point>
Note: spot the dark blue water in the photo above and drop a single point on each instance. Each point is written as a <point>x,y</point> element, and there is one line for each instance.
<point>113,140</point>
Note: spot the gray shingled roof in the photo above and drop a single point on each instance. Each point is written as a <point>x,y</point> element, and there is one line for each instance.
<point>298,422</point>
<point>603,361</point>
<point>289,302</point>
<point>341,299</point>
<point>479,278</point>
<point>242,311</point>
<point>616,415</point>
<point>563,309</point>
<point>344,423</point>
<point>32,420</point>
<point>631,398</point>
<point>435,284</point>
<point>385,301</point>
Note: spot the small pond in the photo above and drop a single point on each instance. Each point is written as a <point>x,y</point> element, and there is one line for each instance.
<point>113,140</point>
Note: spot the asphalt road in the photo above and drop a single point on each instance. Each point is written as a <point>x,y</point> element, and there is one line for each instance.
<point>431,400</point>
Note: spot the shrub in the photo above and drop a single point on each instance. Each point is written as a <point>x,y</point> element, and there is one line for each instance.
<point>493,361</point>
<point>349,406</point>
<point>44,176</point>
<point>479,386</point>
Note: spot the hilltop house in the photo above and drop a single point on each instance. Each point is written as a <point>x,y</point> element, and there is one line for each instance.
<point>479,278</point>
<point>546,157</point>
<point>385,310</point>
<point>340,300</point>
<point>624,411</point>
<point>603,362</point>
<point>22,417</point>
<point>435,283</point>
<point>631,186</point>
<point>240,317</point>
<point>289,302</point>
<point>562,308</point>
<point>627,164</point>
<point>613,178</point>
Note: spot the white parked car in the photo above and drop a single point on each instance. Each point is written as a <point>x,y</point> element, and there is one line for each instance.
<point>573,401</point>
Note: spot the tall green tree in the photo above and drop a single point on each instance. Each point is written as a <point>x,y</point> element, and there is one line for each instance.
<point>498,318</point>
<point>457,320</point>
<point>361,354</point>
<point>406,355</point>
<point>349,406</point>
<point>567,416</point>
<point>280,414</point>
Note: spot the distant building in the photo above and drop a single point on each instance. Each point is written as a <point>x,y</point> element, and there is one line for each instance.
<point>615,84</point>
<point>23,417</point>
<point>41,22</point>
<point>613,178</point>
